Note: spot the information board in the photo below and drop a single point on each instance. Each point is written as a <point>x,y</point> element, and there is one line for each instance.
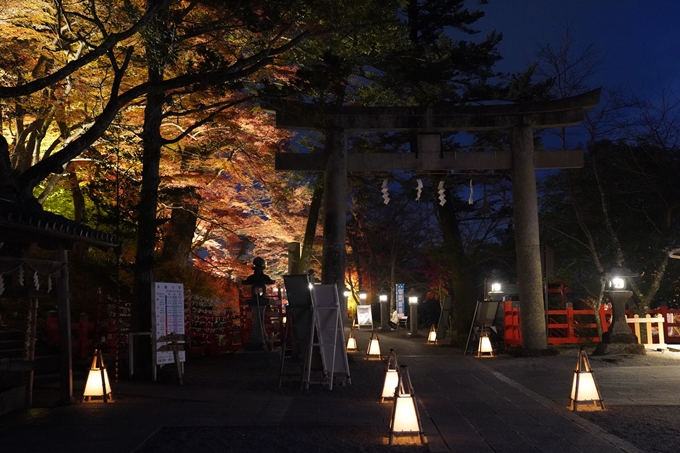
<point>167,316</point>
<point>329,330</point>
<point>364,316</point>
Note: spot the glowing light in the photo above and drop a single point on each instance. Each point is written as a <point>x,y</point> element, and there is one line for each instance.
<point>352,342</point>
<point>585,394</point>
<point>97,384</point>
<point>373,350</point>
<point>618,283</point>
<point>405,418</point>
<point>391,376</point>
<point>432,336</point>
<point>485,348</point>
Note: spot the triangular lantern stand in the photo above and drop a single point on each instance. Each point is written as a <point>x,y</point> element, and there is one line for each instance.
<point>391,376</point>
<point>485,348</point>
<point>352,342</point>
<point>373,349</point>
<point>97,384</point>
<point>405,418</point>
<point>585,394</point>
<point>432,335</point>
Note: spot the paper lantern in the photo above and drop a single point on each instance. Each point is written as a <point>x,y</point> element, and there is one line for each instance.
<point>373,350</point>
<point>405,418</point>
<point>432,336</point>
<point>97,384</point>
<point>485,348</point>
<point>585,395</point>
<point>391,376</point>
<point>352,342</point>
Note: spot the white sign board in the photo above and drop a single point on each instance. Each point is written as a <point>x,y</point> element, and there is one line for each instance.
<point>364,316</point>
<point>167,317</point>
<point>329,330</point>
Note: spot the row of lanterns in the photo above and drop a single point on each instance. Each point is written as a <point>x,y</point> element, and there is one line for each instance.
<point>397,386</point>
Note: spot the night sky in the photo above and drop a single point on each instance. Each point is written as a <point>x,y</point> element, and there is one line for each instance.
<point>639,39</point>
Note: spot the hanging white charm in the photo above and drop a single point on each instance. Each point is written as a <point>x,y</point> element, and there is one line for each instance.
<point>385,192</point>
<point>442,195</point>
<point>419,189</point>
<point>21,276</point>
<point>36,282</point>
<point>2,284</point>
<point>49,284</point>
<point>470,199</point>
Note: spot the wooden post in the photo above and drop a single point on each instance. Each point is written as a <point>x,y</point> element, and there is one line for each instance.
<point>64,313</point>
<point>527,239</point>
<point>570,322</point>
<point>662,320</point>
<point>30,348</point>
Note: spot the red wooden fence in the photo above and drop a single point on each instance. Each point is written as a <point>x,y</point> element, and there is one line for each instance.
<point>571,326</point>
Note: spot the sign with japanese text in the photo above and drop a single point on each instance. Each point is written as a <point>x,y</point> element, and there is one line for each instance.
<point>400,299</point>
<point>168,318</point>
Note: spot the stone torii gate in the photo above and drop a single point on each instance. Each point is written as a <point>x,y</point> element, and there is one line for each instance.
<point>428,122</point>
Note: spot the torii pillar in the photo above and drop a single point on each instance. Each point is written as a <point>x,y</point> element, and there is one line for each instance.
<point>527,243</point>
<point>335,214</point>
<point>429,122</point>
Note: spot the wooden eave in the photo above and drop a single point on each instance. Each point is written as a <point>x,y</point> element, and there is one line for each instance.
<point>50,231</point>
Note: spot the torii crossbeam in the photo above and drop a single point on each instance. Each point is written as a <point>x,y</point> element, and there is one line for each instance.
<point>428,122</point>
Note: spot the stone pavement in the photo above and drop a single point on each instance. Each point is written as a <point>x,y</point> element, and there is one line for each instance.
<point>466,404</point>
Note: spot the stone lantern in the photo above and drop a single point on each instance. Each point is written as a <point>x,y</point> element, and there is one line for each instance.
<point>619,337</point>
<point>258,301</point>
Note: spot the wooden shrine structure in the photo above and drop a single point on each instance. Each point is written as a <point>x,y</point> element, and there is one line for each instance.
<point>521,160</point>
<point>24,224</point>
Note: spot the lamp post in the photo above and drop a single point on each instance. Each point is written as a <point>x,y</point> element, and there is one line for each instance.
<point>384,298</point>
<point>619,333</point>
<point>348,293</point>
<point>413,312</point>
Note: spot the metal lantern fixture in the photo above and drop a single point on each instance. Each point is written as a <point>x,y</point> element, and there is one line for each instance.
<point>412,297</point>
<point>363,295</point>
<point>352,342</point>
<point>373,350</point>
<point>97,384</point>
<point>405,418</point>
<point>391,376</point>
<point>485,348</point>
<point>432,336</point>
<point>413,312</point>
<point>584,390</point>
<point>383,298</point>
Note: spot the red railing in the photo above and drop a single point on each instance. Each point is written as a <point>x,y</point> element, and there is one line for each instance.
<point>571,326</point>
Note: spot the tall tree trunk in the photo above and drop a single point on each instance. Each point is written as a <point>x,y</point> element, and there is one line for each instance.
<point>310,230</point>
<point>464,300</point>
<point>179,236</point>
<point>148,200</point>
